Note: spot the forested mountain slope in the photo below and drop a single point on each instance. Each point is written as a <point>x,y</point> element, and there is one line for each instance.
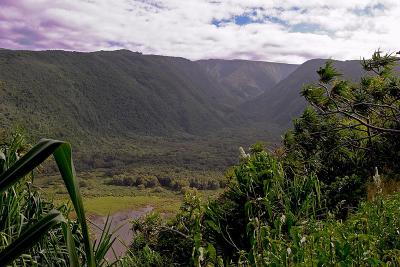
<point>123,93</point>
<point>283,102</point>
<point>247,79</point>
<point>113,93</point>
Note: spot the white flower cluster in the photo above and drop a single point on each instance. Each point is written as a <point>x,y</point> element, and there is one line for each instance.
<point>377,181</point>
<point>243,154</point>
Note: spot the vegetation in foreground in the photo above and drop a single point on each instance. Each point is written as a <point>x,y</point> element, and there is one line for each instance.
<point>265,220</point>
<point>305,204</point>
<point>302,205</point>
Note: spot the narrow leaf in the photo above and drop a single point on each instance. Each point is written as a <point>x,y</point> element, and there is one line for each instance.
<point>30,237</point>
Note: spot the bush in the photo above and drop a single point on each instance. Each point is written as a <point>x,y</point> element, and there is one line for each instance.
<point>172,241</point>
<point>151,182</point>
<point>179,184</point>
<point>212,185</point>
<point>165,181</point>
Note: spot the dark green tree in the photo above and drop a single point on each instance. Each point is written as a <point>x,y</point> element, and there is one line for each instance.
<point>348,130</point>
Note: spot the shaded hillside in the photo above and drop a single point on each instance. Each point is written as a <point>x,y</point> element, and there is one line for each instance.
<point>121,93</point>
<point>109,93</point>
<point>247,79</point>
<point>283,102</point>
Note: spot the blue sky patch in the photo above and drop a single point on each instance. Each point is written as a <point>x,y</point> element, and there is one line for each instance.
<point>305,27</point>
<point>248,18</point>
<point>243,20</point>
<point>369,10</point>
<point>219,22</point>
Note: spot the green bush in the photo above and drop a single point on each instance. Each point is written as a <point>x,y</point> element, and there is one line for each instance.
<point>266,218</point>
<point>348,130</point>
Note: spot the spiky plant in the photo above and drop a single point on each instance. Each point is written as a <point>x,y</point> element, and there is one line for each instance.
<point>33,231</point>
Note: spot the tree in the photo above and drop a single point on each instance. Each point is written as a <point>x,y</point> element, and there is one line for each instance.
<point>374,103</point>
<point>348,130</point>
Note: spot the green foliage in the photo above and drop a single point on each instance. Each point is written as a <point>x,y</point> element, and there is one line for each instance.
<point>200,182</point>
<point>276,212</point>
<point>259,196</point>
<point>33,231</point>
<point>373,103</point>
<point>266,218</point>
<point>348,131</point>
<point>260,200</point>
<point>328,73</point>
<point>367,238</point>
<point>29,222</point>
<point>176,242</point>
<point>257,148</point>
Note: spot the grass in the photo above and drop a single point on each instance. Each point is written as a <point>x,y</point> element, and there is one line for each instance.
<point>113,204</point>
<point>166,202</point>
<point>390,185</point>
<point>102,199</point>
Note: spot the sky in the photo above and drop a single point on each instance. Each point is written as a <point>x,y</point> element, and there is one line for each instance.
<point>285,31</point>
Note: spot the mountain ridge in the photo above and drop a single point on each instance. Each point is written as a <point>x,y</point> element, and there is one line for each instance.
<point>112,93</point>
<point>60,93</point>
<point>125,109</point>
<point>285,102</point>
<point>247,79</point>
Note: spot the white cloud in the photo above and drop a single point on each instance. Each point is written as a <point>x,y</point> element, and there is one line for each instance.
<point>284,31</point>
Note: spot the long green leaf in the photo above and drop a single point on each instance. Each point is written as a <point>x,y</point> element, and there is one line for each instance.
<point>30,237</point>
<point>62,155</point>
<point>28,162</point>
<point>73,256</point>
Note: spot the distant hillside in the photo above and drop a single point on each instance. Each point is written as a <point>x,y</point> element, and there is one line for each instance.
<point>122,109</point>
<point>283,102</point>
<point>112,93</point>
<point>122,93</point>
<point>247,79</point>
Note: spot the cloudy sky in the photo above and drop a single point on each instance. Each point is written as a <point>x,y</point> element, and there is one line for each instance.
<point>281,31</point>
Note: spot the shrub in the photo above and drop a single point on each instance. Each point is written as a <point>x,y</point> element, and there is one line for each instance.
<point>171,241</point>
<point>165,181</point>
<point>179,184</point>
<point>212,185</point>
<point>151,182</point>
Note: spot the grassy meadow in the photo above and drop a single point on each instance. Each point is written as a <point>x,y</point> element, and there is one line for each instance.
<point>146,170</point>
<point>102,198</point>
